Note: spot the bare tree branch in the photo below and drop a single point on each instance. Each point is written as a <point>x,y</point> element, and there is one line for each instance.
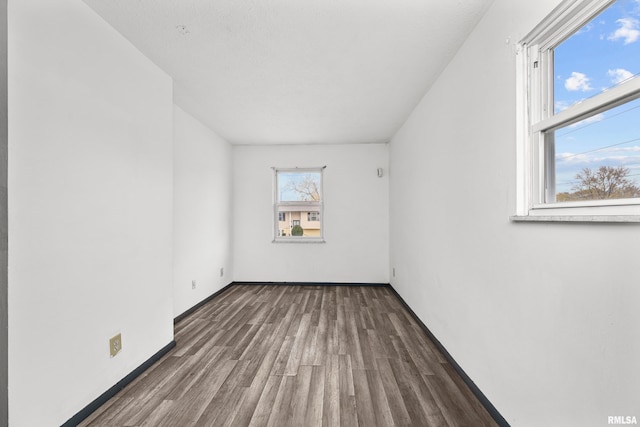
<point>307,188</point>
<point>607,182</point>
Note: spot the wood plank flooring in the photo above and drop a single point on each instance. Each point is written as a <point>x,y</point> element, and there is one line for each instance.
<point>269,355</point>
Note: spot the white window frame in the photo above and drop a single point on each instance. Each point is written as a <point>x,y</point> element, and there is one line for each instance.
<point>534,109</point>
<point>317,206</point>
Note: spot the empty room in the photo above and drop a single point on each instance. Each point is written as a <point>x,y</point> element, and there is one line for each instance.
<point>320,212</point>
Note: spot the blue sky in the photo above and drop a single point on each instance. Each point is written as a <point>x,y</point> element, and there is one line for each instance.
<point>605,52</point>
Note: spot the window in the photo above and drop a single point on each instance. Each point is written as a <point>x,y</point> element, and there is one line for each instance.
<point>579,112</point>
<point>297,195</point>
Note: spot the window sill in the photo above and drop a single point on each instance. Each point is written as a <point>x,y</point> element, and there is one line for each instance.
<point>299,240</point>
<point>599,211</point>
<point>577,218</point>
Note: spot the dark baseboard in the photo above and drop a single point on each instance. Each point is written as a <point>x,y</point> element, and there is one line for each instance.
<point>104,397</point>
<point>497,417</point>
<point>312,284</point>
<point>201,303</point>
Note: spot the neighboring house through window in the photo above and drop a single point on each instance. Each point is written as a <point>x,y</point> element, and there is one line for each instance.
<point>579,114</point>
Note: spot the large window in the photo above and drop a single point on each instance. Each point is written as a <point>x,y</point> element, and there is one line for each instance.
<point>298,204</point>
<point>579,102</point>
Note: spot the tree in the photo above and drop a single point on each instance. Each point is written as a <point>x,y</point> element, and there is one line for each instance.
<point>296,230</point>
<point>607,182</point>
<point>307,188</point>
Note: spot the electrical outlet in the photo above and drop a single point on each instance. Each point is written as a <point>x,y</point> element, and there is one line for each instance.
<point>221,271</point>
<point>394,271</point>
<point>115,345</point>
<point>193,284</point>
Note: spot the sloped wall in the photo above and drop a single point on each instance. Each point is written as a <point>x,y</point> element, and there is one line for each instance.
<point>543,317</point>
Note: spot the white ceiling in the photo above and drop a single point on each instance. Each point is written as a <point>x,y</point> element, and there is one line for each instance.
<point>297,71</point>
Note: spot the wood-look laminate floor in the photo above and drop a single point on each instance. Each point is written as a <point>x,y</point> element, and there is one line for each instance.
<point>268,355</point>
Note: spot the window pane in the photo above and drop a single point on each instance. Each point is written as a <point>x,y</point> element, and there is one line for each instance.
<point>299,186</point>
<point>599,157</point>
<point>600,55</point>
<point>294,221</point>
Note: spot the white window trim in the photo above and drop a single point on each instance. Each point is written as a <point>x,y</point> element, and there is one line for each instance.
<point>530,153</point>
<point>316,206</point>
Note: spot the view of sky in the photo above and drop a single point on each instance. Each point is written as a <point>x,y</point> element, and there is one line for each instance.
<point>304,182</point>
<point>604,53</point>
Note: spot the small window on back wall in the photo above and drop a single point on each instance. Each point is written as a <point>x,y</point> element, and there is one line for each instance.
<point>580,133</point>
<point>298,199</point>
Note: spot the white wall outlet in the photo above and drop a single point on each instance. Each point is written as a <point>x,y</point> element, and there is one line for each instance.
<point>115,345</point>
<point>221,271</point>
<point>193,284</point>
<point>393,271</point>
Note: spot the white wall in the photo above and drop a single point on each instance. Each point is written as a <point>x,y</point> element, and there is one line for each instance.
<point>355,215</point>
<point>543,317</point>
<point>90,209</point>
<point>201,211</point>
<point>4,253</point>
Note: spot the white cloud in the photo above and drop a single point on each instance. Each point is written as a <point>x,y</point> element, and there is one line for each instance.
<point>586,28</point>
<point>568,159</point>
<point>634,149</point>
<point>565,160</point>
<point>628,30</point>
<point>577,81</point>
<point>588,120</point>
<point>563,156</point>
<point>561,105</point>
<point>619,75</point>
